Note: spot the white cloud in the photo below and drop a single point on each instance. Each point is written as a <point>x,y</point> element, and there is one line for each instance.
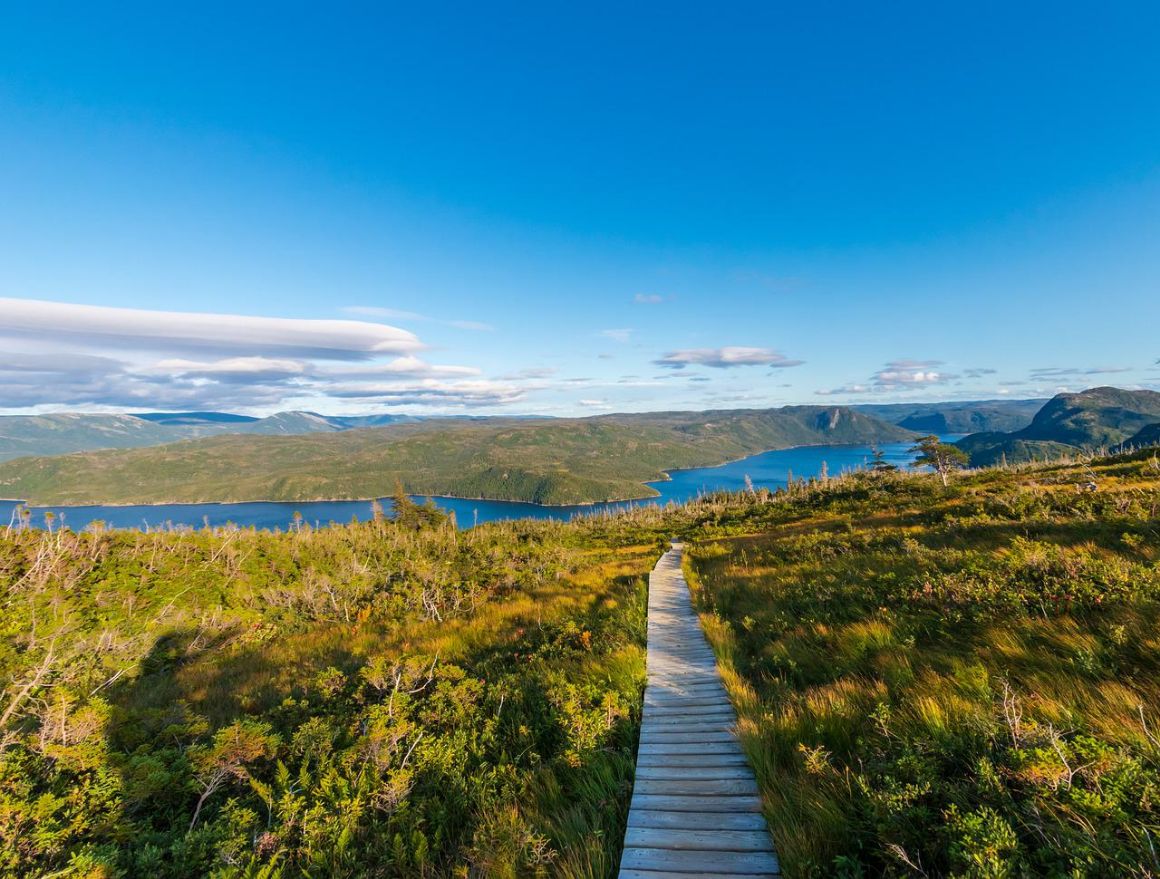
<point>845,389</point>
<point>55,354</point>
<point>898,375</point>
<point>235,368</point>
<point>724,358</point>
<point>530,373</point>
<point>460,394</point>
<point>621,335</point>
<point>137,329</point>
<point>648,298</point>
<point>1044,373</point>
<point>910,373</point>
<point>408,365</point>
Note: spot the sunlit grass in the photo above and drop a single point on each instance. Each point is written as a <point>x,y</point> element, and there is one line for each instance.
<point>899,665</point>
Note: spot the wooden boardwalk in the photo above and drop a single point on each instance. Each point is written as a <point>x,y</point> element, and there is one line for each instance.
<point>695,807</point>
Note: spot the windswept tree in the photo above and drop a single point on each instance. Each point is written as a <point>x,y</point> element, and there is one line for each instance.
<point>878,463</point>
<point>234,748</point>
<point>941,457</point>
<point>412,515</point>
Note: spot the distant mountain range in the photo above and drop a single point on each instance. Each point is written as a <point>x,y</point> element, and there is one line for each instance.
<point>555,461</point>
<point>63,434</point>
<point>214,456</point>
<point>1099,418</point>
<point>956,417</point>
<point>22,435</point>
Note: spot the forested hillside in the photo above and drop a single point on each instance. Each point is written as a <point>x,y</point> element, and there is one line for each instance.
<point>1098,418</point>
<point>551,462</point>
<point>956,417</point>
<point>65,433</point>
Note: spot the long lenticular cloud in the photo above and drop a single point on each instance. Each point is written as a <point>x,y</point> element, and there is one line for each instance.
<point>131,328</point>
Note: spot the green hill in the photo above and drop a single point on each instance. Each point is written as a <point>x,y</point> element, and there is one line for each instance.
<point>62,434</point>
<point>551,462</point>
<point>1148,436</point>
<point>957,417</point>
<point>1093,419</point>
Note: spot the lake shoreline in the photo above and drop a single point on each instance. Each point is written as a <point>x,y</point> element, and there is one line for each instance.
<point>769,470</point>
<point>666,476</point>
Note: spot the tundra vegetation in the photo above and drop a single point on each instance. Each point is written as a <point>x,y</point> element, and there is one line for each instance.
<point>938,681</point>
<point>959,681</point>
<point>393,698</point>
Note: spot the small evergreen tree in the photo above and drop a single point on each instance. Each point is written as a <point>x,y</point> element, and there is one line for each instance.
<point>939,456</point>
<point>878,463</point>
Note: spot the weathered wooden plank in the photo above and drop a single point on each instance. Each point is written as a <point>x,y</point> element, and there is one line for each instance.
<point>694,723</point>
<point>687,787</point>
<point>718,720</point>
<point>721,718</point>
<point>692,761</point>
<point>675,803</point>
<point>691,728</point>
<point>651,737</point>
<point>698,840</point>
<point>701,709</point>
<point>676,696</point>
<point>658,748</point>
<point>685,694</point>
<point>693,772</point>
<point>710,862</point>
<point>687,689</point>
<point>673,698</point>
<point>697,820</point>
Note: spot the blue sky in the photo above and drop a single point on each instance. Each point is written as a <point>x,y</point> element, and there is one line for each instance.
<point>506,208</point>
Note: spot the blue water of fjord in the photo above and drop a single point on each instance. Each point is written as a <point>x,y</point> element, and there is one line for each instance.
<point>766,470</point>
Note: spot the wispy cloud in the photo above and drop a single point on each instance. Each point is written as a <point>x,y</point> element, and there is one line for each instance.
<point>474,326</point>
<point>621,335</point>
<point>398,314</point>
<point>432,392</point>
<point>530,373</point>
<point>845,389</point>
<point>897,375</point>
<point>726,358</point>
<point>910,372</point>
<point>648,298</point>
<point>57,354</point>
<point>1050,372</point>
<point>137,329</point>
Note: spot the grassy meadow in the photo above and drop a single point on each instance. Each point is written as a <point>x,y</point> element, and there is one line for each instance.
<point>386,699</point>
<point>950,682</point>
